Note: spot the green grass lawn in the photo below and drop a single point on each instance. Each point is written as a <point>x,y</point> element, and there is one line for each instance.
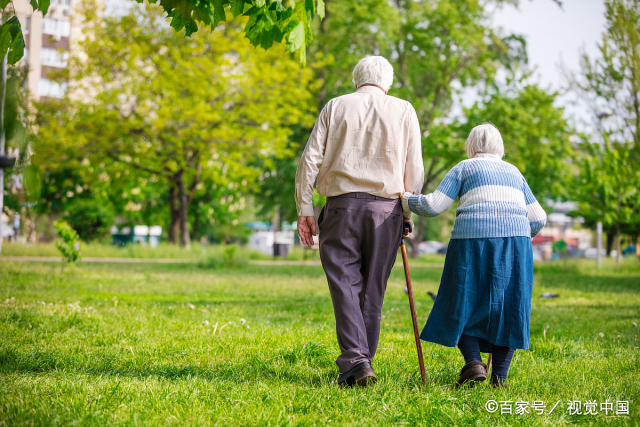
<point>98,250</point>
<point>141,344</point>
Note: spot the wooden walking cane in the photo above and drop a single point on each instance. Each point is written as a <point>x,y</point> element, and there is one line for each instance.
<point>414,318</point>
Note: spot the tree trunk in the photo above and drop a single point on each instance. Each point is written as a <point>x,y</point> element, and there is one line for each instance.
<point>418,233</point>
<point>51,231</point>
<point>610,237</point>
<point>276,226</point>
<point>196,225</point>
<point>618,246</point>
<point>185,239</point>
<point>419,229</point>
<point>174,228</point>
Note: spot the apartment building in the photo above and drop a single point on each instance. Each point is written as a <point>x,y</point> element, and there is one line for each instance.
<point>48,42</point>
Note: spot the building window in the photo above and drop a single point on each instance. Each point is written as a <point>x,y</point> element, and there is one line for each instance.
<point>27,25</point>
<point>51,89</point>
<point>54,57</point>
<point>61,3</point>
<point>56,27</point>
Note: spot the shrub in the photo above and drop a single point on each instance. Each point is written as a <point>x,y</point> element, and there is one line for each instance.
<point>229,257</point>
<point>68,242</point>
<point>90,219</point>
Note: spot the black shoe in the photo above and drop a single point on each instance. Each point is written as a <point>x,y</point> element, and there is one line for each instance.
<point>500,384</point>
<point>361,374</point>
<point>472,372</point>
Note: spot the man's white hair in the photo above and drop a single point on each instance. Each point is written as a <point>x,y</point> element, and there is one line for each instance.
<point>374,70</point>
<point>484,138</point>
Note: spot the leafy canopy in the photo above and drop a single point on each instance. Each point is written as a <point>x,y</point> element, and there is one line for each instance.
<point>269,20</point>
<point>607,187</point>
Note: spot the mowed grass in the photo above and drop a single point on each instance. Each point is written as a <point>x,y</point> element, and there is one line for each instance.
<point>99,250</point>
<point>139,344</point>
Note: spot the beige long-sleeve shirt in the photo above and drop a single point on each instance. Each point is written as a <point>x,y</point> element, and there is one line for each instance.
<point>362,142</point>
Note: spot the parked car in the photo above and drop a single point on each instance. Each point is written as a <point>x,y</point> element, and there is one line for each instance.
<point>431,247</point>
<point>593,253</point>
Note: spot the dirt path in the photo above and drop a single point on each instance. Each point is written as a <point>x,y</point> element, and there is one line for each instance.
<point>182,261</point>
<point>102,260</point>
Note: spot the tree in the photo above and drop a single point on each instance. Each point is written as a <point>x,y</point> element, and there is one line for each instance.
<point>607,188</point>
<point>22,195</point>
<point>611,83</point>
<point>183,113</point>
<point>269,20</point>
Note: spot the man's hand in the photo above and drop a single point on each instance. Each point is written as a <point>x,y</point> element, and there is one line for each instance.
<point>306,229</point>
<point>408,227</point>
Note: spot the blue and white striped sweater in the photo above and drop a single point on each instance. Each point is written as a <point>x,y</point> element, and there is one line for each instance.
<point>494,200</point>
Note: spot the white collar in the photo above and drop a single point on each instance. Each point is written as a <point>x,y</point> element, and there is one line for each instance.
<point>487,156</point>
<point>370,89</point>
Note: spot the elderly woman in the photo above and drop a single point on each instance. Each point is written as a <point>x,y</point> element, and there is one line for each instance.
<point>484,300</point>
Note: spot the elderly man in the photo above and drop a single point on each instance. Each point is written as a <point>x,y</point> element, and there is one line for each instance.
<point>364,149</point>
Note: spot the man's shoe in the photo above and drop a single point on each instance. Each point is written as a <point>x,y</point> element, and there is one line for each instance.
<point>361,374</point>
<point>472,372</point>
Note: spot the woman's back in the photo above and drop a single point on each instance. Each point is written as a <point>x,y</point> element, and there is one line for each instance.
<point>494,200</point>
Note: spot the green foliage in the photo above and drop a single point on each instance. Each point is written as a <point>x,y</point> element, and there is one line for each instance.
<point>607,187</point>
<point>610,83</point>
<point>11,41</point>
<point>16,107</point>
<point>183,146</point>
<point>41,5</point>
<point>229,257</point>
<point>536,135</point>
<point>559,246</point>
<point>68,242</point>
<point>18,138</point>
<point>608,181</point>
<point>90,218</point>
<point>269,20</point>
<point>11,38</point>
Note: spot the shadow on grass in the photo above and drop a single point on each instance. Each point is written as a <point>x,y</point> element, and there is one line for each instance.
<point>310,365</point>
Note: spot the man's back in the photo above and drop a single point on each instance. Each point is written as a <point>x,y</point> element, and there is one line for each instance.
<point>366,142</point>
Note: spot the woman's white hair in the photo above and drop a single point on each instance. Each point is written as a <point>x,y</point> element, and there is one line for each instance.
<point>375,70</point>
<point>484,138</point>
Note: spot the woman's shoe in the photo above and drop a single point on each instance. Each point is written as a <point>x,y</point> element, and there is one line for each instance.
<point>500,385</point>
<point>472,372</point>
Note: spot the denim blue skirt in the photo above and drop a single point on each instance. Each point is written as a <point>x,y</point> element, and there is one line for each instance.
<point>485,292</point>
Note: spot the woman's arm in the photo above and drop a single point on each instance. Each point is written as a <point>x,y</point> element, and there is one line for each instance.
<point>537,215</point>
<point>435,203</point>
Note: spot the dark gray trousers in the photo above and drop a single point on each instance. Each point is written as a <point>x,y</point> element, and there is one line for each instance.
<point>359,239</point>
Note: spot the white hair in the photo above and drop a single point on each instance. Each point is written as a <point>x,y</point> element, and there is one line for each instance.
<point>375,70</point>
<point>484,138</point>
